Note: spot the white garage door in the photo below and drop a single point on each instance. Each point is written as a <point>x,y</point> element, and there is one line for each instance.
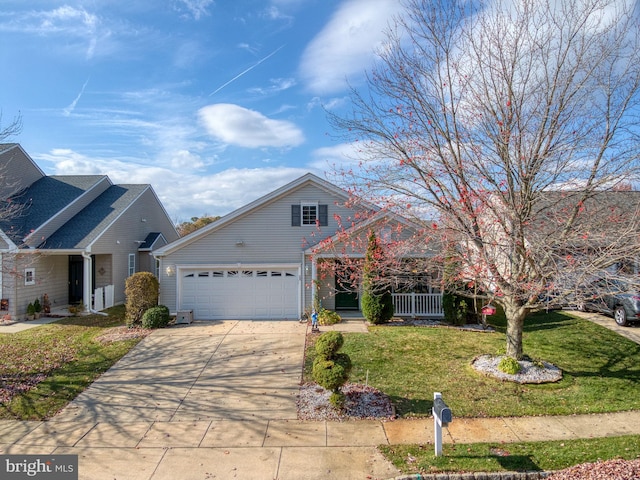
<point>215,294</point>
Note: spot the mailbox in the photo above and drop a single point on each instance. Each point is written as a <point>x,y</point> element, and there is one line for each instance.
<point>442,411</point>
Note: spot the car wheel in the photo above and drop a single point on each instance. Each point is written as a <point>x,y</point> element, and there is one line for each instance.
<point>620,316</point>
<point>581,307</point>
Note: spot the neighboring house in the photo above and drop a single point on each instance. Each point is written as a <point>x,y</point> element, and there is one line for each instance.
<point>74,237</point>
<point>259,262</point>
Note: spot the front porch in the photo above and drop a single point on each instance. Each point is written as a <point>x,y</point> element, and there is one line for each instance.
<point>416,305</point>
<point>412,305</point>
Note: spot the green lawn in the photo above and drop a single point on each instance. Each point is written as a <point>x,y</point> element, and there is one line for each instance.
<point>43,368</point>
<point>601,369</point>
<point>528,456</point>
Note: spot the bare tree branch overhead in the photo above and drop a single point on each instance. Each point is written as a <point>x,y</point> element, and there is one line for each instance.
<point>513,127</point>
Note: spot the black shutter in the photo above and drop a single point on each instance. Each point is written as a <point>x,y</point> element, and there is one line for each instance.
<point>295,216</point>
<point>323,215</point>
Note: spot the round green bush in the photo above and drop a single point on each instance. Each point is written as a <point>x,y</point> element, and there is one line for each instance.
<point>329,374</point>
<point>344,361</point>
<point>509,365</point>
<point>328,344</point>
<point>156,317</point>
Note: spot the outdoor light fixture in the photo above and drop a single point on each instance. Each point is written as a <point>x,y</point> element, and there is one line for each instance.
<point>171,270</point>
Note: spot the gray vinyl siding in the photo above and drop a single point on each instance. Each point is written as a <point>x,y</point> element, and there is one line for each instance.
<point>104,270</point>
<point>17,171</point>
<point>3,244</point>
<point>266,234</point>
<point>51,277</point>
<point>145,215</point>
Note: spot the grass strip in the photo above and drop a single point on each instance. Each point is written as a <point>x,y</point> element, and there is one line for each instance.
<point>505,457</point>
<point>46,367</point>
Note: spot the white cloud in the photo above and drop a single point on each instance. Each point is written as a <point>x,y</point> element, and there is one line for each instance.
<point>336,157</point>
<point>197,8</point>
<point>63,21</point>
<point>183,193</point>
<point>276,85</point>
<point>240,126</point>
<point>346,46</point>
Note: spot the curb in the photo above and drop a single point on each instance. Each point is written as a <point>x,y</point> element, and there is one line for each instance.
<point>476,476</point>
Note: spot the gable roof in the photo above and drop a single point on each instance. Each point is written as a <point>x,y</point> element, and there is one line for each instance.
<point>306,179</point>
<point>44,199</point>
<point>150,241</point>
<point>87,226</point>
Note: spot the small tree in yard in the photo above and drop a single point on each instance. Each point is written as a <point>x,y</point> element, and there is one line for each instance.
<point>330,368</point>
<point>141,291</point>
<point>509,125</point>
<point>377,303</point>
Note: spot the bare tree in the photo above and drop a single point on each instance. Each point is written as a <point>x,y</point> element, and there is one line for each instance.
<point>507,122</point>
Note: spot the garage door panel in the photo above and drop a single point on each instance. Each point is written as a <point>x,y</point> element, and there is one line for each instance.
<point>241,294</point>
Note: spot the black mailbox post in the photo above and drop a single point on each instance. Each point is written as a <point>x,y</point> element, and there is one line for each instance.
<point>441,417</point>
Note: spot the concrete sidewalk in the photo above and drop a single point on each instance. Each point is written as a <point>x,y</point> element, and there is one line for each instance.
<point>217,400</point>
<point>268,449</point>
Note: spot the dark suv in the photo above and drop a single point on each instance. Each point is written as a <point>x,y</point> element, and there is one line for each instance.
<point>612,297</point>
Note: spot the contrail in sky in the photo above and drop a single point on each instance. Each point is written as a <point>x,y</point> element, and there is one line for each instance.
<point>247,70</point>
<point>67,111</point>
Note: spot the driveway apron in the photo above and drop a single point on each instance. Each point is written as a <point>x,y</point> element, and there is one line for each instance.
<point>203,371</point>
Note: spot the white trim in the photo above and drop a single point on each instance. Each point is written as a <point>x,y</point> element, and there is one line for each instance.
<point>131,266</point>
<point>306,203</point>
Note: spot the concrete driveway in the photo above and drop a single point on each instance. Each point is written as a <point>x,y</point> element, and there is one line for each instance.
<point>203,371</point>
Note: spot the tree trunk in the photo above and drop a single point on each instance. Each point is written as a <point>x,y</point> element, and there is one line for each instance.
<point>515,326</point>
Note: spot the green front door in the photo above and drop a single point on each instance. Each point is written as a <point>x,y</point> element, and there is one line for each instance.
<point>346,291</point>
<point>347,301</point>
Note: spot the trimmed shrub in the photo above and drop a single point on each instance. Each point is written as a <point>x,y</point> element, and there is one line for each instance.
<point>141,291</point>
<point>509,365</point>
<point>337,400</point>
<point>156,317</point>
<point>329,374</point>
<point>344,361</point>
<point>328,344</point>
<point>330,368</point>
<point>377,309</point>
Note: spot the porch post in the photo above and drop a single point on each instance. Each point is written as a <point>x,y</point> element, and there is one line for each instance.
<point>86,284</point>
<point>314,274</point>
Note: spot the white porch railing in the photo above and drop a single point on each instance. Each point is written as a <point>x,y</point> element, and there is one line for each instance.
<point>103,298</point>
<point>418,304</point>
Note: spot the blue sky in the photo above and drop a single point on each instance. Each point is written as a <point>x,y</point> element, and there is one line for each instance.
<point>214,103</point>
